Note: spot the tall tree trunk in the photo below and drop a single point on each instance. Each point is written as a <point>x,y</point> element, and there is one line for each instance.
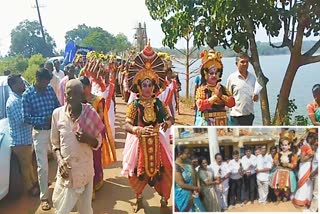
<point>283,102</point>
<point>187,68</point>
<point>294,64</point>
<point>264,102</point>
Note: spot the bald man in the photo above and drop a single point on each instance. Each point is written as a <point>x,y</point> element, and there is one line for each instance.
<point>75,132</point>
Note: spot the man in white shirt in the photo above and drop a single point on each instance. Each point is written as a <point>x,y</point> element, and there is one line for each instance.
<point>221,173</point>
<point>264,164</point>
<point>241,84</point>
<point>59,73</point>
<point>235,179</point>
<point>55,80</point>
<point>249,178</point>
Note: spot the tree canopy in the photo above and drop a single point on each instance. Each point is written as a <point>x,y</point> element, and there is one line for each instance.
<point>26,40</point>
<point>98,38</point>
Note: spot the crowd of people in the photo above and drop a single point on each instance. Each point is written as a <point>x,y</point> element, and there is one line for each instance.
<point>70,115</point>
<point>288,172</point>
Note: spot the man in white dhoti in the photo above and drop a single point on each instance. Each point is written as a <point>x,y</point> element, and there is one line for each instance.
<point>75,131</point>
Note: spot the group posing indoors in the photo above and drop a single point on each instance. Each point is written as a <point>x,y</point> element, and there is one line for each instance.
<point>288,173</point>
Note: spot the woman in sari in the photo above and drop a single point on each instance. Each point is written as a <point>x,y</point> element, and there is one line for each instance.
<point>313,108</point>
<point>147,156</point>
<point>186,190</point>
<point>210,198</point>
<point>303,195</point>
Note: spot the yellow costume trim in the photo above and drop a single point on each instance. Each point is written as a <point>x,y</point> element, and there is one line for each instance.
<point>149,114</point>
<point>146,73</point>
<point>210,59</point>
<point>131,113</point>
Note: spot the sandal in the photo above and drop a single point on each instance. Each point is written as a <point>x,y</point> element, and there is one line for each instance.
<point>45,206</point>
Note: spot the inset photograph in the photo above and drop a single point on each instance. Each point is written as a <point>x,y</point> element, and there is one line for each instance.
<point>272,169</point>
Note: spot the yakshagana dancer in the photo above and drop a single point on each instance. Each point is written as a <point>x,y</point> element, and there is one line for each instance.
<point>147,155</point>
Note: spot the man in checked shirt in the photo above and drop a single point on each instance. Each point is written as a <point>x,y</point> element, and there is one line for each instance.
<point>21,134</point>
<point>38,102</point>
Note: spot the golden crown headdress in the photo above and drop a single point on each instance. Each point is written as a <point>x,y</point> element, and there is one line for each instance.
<point>211,58</point>
<point>146,65</point>
<point>288,136</point>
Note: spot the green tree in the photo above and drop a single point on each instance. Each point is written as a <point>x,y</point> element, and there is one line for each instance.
<point>26,40</point>
<point>79,33</point>
<point>231,24</point>
<point>300,19</point>
<point>15,64</point>
<point>34,64</point>
<point>101,41</point>
<point>122,43</point>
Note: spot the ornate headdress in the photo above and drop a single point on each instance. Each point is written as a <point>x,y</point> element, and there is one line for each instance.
<point>147,65</point>
<point>167,60</point>
<point>210,60</point>
<point>287,136</point>
<point>96,68</point>
<point>78,58</point>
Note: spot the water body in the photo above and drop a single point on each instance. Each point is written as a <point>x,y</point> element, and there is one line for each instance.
<point>274,67</point>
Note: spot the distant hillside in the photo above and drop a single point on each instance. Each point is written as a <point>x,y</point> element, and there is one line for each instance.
<point>264,49</point>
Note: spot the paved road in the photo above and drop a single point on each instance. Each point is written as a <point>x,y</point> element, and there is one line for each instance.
<point>116,195</point>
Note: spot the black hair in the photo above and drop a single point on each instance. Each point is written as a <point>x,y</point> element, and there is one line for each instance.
<point>7,72</point>
<point>200,159</point>
<point>235,152</point>
<point>272,148</point>
<point>85,81</point>
<point>247,148</point>
<point>179,150</point>
<point>315,87</point>
<point>292,130</point>
<point>194,156</point>
<point>12,79</point>
<point>241,55</point>
<point>43,74</point>
<point>69,67</point>
<point>216,155</point>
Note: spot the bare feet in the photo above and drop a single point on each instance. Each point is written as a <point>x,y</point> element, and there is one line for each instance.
<point>163,202</point>
<point>138,205</point>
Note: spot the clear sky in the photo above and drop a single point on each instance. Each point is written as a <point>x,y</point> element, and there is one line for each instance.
<point>60,16</point>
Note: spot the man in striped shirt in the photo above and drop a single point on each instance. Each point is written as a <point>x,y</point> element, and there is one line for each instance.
<point>39,101</point>
<point>21,134</point>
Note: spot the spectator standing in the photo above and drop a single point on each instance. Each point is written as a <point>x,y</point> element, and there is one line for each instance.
<point>39,101</point>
